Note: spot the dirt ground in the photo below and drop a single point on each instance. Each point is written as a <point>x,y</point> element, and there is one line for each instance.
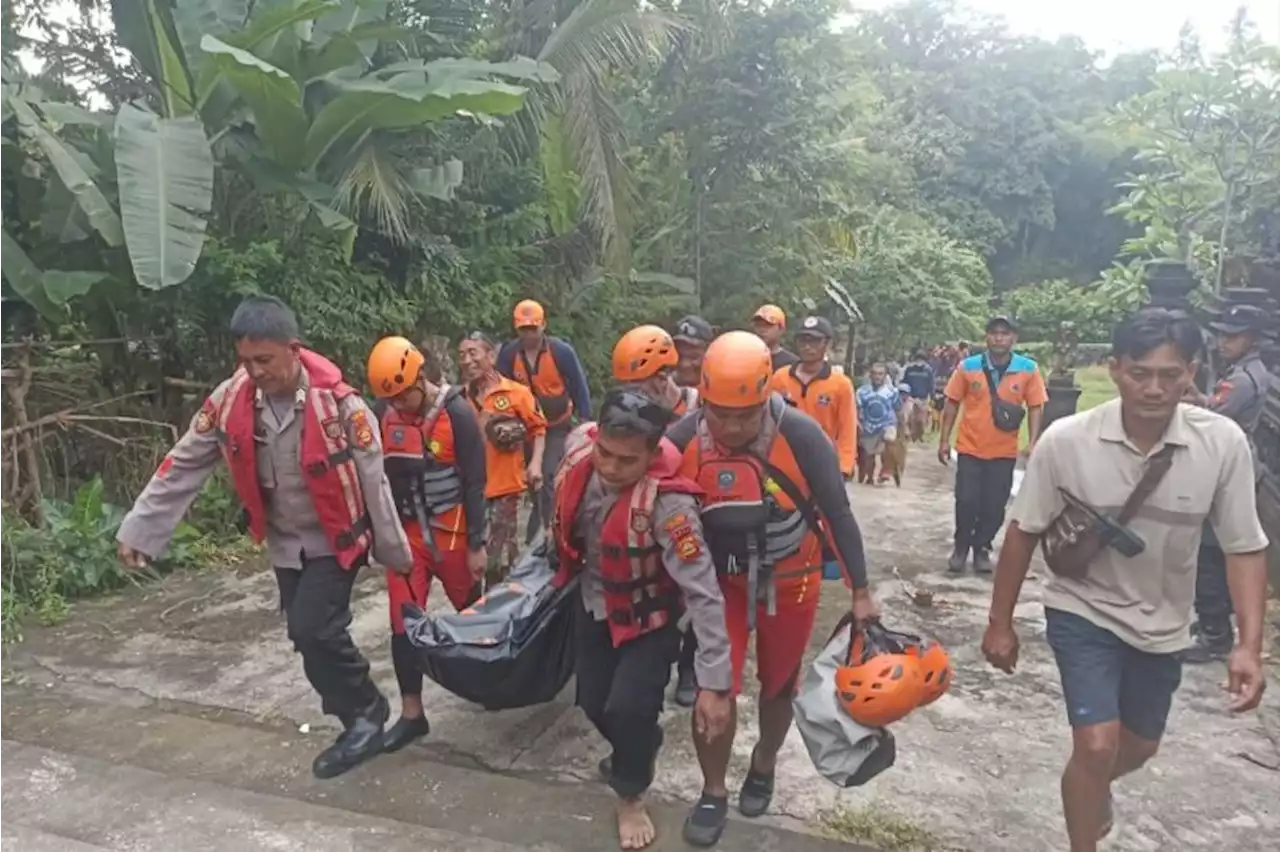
<point>978,770</point>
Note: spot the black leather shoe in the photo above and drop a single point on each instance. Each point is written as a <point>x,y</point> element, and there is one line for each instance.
<point>686,688</point>
<point>405,731</point>
<point>359,742</point>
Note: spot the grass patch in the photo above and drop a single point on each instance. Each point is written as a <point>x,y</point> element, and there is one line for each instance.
<point>1095,388</point>
<point>879,827</point>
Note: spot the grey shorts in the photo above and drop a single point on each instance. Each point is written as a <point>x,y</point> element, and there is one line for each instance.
<point>1105,679</point>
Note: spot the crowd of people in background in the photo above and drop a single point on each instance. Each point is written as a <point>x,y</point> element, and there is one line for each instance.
<point>708,489</point>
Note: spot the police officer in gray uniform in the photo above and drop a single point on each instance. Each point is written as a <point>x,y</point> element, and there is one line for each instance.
<point>304,456</point>
<point>1240,395</point>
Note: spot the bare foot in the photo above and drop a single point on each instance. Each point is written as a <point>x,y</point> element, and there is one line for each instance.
<point>635,829</point>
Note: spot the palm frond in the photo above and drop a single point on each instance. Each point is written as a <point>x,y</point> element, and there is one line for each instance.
<point>597,38</point>
<point>373,189</point>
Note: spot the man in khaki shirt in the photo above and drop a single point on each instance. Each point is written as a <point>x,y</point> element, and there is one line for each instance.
<point>304,457</point>
<point>1117,632</point>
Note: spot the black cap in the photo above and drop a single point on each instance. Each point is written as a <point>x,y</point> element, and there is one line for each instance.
<point>1241,318</point>
<point>694,329</point>
<point>1002,319</point>
<point>816,327</point>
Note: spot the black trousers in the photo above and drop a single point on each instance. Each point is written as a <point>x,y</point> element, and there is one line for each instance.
<point>621,691</point>
<point>982,490</point>
<point>316,602</point>
<point>1213,595</point>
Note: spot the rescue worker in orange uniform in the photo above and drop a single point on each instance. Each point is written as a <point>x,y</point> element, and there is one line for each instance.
<point>774,503</point>
<point>646,358</point>
<point>434,456</point>
<point>303,452</point>
<point>812,386</point>
<point>550,368</point>
<point>770,323</point>
<point>692,335</point>
<point>628,524</point>
<point>512,422</point>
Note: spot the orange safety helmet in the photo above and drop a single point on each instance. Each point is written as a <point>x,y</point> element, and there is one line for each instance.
<point>882,683</point>
<point>736,371</point>
<point>642,352</point>
<point>935,668</point>
<point>935,663</point>
<point>394,365</point>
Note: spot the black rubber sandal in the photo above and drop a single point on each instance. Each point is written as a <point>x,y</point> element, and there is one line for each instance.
<point>756,794</point>
<point>705,823</point>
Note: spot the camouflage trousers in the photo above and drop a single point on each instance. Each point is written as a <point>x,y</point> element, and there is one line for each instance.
<point>504,540</point>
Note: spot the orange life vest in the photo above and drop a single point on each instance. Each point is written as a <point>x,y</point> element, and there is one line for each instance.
<point>421,466</point>
<point>542,376</point>
<point>757,512</point>
<point>325,454</point>
<point>639,594</point>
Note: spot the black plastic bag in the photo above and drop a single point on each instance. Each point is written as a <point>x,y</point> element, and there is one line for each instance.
<point>512,648</point>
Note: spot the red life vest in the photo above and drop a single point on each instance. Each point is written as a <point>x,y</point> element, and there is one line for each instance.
<point>639,594</point>
<point>331,475</point>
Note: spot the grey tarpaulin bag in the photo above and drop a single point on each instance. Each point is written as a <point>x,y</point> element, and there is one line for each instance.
<point>843,752</point>
<point>512,648</point>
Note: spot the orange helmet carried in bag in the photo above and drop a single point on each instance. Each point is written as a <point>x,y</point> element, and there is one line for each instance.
<point>642,352</point>
<point>935,668</point>
<point>736,371</point>
<point>935,663</point>
<point>394,365</point>
<point>882,682</point>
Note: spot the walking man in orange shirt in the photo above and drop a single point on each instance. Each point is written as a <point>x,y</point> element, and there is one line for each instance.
<point>991,392</point>
<point>812,386</point>
<point>510,418</point>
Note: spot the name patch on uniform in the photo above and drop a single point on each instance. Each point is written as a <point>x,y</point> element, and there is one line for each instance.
<point>362,430</point>
<point>641,522</point>
<point>501,403</point>
<point>678,526</point>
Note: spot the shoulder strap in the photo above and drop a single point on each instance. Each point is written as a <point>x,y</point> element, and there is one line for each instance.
<point>1157,466</point>
<point>437,408</point>
<point>528,368</point>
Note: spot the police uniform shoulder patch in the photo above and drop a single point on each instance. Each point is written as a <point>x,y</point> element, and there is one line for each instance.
<point>361,429</point>
<point>332,428</point>
<point>205,418</point>
<point>688,547</point>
